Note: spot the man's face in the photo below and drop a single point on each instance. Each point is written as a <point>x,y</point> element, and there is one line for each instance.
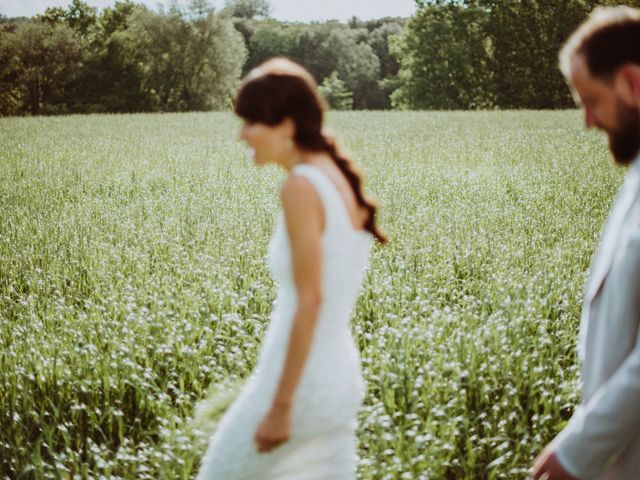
<point>604,108</point>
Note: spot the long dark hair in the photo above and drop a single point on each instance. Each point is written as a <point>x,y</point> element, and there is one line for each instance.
<point>279,89</point>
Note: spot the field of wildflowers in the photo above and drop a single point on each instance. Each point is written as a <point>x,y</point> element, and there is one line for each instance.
<point>132,277</point>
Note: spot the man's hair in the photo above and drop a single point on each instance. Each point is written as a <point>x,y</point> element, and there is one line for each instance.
<point>607,40</point>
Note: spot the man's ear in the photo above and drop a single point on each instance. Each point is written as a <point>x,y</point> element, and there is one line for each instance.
<point>629,74</point>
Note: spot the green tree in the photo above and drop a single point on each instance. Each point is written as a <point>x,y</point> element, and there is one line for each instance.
<point>360,68</point>
<point>188,65</point>
<point>267,39</point>
<point>444,58</point>
<point>79,16</point>
<point>11,95</point>
<point>378,40</point>
<point>322,48</point>
<point>37,61</point>
<point>249,9</point>
<point>525,36</point>
<point>117,18</point>
<point>484,53</point>
<point>335,92</point>
<point>377,35</point>
<point>112,76</point>
<point>126,59</point>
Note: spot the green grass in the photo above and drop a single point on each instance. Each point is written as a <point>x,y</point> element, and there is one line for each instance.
<point>132,277</point>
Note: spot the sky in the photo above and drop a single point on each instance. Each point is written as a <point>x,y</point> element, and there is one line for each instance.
<point>290,10</point>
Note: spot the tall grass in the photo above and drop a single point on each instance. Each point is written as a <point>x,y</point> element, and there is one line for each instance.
<point>132,277</point>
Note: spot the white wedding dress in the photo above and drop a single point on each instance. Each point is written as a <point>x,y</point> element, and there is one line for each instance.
<point>322,445</point>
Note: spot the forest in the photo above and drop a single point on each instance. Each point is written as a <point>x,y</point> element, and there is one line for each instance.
<point>451,55</point>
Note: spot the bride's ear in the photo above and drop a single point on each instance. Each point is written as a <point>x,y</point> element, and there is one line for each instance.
<point>288,127</point>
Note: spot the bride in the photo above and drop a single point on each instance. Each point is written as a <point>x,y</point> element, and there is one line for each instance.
<point>296,417</point>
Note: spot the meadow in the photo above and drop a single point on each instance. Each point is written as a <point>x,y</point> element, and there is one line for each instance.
<point>132,279</point>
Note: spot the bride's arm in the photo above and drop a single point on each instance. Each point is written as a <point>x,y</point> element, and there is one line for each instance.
<point>305,221</point>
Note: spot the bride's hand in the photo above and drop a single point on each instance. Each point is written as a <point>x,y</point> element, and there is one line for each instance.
<point>274,430</point>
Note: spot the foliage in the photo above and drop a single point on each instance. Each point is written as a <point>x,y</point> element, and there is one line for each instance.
<point>335,92</point>
<point>188,65</point>
<point>452,54</point>
<point>79,16</point>
<point>132,276</point>
<point>250,9</point>
<point>459,54</point>
<point>378,39</point>
<point>323,48</point>
<point>525,40</point>
<point>112,78</point>
<point>126,59</point>
<point>37,61</point>
<point>444,59</point>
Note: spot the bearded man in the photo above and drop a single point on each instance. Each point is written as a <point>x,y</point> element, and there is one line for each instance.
<point>601,62</point>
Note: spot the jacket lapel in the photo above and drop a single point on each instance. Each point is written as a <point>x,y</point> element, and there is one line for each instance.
<point>625,215</point>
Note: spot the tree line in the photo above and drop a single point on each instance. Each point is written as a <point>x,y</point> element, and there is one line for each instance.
<point>471,54</point>
<point>452,54</point>
<point>125,59</point>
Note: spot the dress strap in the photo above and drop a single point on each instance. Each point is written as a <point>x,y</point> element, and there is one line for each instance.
<point>333,204</point>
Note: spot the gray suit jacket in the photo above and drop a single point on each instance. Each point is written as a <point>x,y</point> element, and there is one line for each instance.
<point>602,439</point>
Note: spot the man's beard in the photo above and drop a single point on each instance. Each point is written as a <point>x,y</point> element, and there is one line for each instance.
<point>624,142</point>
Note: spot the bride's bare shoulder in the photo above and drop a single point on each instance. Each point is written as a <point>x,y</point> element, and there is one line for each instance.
<point>300,200</point>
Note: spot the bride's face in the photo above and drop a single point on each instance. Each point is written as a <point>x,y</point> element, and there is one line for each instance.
<point>269,143</point>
